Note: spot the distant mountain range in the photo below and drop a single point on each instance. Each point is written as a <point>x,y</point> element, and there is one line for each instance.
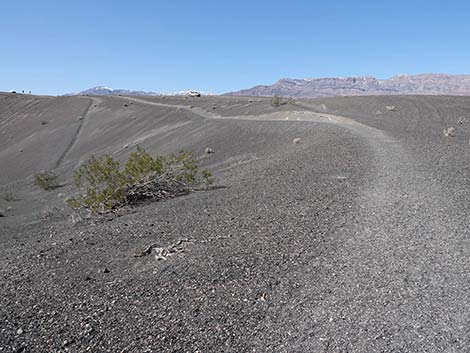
<point>426,84</point>
<point>106,91</point>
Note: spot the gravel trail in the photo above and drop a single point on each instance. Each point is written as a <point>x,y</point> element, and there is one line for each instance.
<point>398,279</point>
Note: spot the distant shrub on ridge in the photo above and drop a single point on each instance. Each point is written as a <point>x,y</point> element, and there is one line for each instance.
<point>46,180</point>
<point>277,101</point>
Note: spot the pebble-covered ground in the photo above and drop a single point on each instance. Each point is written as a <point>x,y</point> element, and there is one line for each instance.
<point>352,239</point>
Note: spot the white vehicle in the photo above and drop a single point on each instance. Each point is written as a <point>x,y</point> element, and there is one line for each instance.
<point>194,93</point>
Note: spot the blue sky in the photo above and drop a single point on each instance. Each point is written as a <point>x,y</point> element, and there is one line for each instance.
<point>54,47</point>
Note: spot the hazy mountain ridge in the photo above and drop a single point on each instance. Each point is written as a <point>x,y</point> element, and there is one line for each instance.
<point>427,84</point>
<point>106,91</point>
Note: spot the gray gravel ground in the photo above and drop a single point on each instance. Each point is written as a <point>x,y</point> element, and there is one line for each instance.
<point>353,240</point>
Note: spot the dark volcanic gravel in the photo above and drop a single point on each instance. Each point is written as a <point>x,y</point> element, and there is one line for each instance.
<point>353,240</point>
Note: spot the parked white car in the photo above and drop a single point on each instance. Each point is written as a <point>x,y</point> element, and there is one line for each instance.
<point>194,93</point>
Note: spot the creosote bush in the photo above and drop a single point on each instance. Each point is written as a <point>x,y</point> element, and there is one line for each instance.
<point>277,101</point>
<point>46,180</point>
<point>106,185</point>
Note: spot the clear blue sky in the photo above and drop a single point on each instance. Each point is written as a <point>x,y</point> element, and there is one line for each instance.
<point>54,47</point>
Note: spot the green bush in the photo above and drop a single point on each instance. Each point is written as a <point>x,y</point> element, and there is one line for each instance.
<point>105,185</point>
<point>46,180</point>
<point>141,163</point>
<point>277,101</point>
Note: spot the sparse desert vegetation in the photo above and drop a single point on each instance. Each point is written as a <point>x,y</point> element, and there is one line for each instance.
<point>277,101</point>
<point>9,197</point>
<point>105,185</point>
<point>46,180</point>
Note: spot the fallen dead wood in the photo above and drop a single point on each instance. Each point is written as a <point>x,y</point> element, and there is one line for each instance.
<point>155,188</point>
<point>162,253</point>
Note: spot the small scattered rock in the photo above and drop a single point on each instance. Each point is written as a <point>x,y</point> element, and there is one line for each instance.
<point>209,150</point>
<point>449,132</point>
<point>160,254</point>
<point>106,270</point>
<point>297,140</point>
<point>20,331</point>
<point>126,105</point>
<point>391,108</point>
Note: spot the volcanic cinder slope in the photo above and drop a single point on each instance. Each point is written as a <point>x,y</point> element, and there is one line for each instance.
<point>354,240</point>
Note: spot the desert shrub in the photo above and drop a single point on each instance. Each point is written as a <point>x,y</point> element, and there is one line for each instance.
<point>9,197</point>
<point>103,181</point>
<point>141,163</point>
<point>207,177</point>
<point>46,180</point>
<point>106,185</point>
<point>277,101</point>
